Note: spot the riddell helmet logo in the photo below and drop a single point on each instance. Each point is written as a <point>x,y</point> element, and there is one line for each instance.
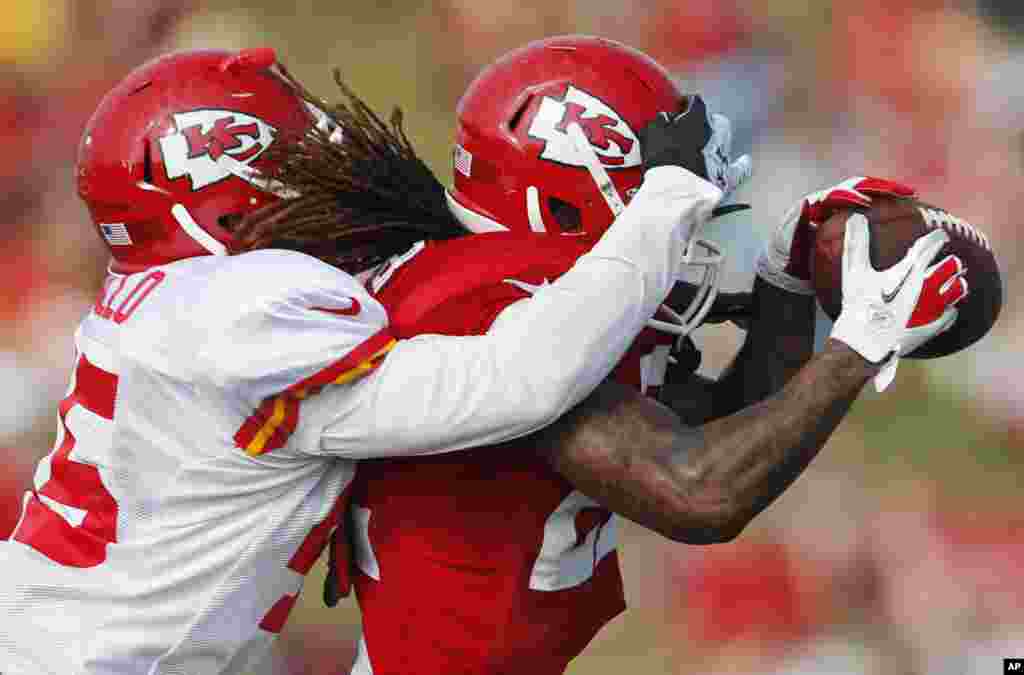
<point>616,145</point>
<point>211,145</point>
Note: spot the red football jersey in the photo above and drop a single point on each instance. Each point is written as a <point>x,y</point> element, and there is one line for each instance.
<point>482,562</point>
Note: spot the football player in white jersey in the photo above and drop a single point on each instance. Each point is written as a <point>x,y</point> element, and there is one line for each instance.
<point>196,473</point>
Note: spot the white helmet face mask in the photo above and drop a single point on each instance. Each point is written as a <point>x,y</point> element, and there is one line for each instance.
<point>699,253</point>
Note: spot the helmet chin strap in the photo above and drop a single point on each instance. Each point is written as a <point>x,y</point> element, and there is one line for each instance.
<point>533,212</point>
<point>193,229</point>
<point>680,325</point>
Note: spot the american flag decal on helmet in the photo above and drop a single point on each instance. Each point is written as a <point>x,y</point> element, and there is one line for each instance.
<point>463,160</point>
<point>116,234</point>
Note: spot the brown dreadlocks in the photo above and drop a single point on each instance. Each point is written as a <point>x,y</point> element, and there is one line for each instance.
<point>356,202</point>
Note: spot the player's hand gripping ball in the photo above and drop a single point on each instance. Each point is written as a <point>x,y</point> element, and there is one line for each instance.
<point>895,223</point>
<point>785,261</point>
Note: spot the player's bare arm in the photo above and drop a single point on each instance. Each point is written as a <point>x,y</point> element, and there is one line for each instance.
<point>780,339</point>
<point>704,484</point>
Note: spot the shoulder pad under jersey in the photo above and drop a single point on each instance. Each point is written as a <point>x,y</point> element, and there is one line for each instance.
<point>458,286</point>
<point>280,321</point>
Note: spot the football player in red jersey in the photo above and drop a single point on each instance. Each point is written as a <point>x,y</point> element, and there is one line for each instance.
<point>487,563</point>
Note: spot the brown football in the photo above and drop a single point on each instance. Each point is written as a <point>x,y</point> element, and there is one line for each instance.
<point>894,224</point>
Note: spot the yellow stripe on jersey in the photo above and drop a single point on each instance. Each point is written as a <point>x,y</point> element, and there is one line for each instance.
<point>258,442</point>
<point>286,406</point>
<point>365,366</point>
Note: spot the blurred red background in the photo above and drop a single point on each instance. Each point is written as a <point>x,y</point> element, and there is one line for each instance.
<point>899,551</point>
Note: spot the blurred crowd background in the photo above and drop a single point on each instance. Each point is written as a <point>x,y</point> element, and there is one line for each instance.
<point>902,548</point>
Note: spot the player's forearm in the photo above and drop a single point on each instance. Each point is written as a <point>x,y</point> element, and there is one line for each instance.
<point>780,340</point>
<point>753,455</point>
<point>704,484</point>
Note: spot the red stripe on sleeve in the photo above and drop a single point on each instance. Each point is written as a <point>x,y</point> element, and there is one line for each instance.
<point>252,425</point>
<point>285,430</point>
<point>275,420</point>
<point>364,351</point>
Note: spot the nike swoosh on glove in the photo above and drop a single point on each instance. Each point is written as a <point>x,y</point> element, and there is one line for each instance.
<point>889,313</point>
<point>785,261</point>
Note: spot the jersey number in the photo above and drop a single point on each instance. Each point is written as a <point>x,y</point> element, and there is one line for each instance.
<point>115,304</point>
<point>577,535</point>
<point>71,517</point>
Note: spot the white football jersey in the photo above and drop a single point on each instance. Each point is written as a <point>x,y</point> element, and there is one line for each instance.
<point>199,469</point>
<point>170,528</point>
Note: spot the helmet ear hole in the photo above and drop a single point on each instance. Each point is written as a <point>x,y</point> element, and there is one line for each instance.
<point>230,221</point>
<point>567,215</point>
<point>517,116</point>
<point>147,163</point>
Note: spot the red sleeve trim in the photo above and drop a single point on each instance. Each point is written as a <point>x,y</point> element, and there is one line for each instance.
<point>273,423</point>
<point>356,363</point>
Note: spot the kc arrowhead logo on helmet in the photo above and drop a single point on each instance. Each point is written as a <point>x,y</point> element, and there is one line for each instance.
<point>548,142</point>
<point>614,142</point>
<point>211,145</point>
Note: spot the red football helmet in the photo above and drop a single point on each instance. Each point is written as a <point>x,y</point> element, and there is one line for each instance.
<point>547,142</point>
<point>178,145</point>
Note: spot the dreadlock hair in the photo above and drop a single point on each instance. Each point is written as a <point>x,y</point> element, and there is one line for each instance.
<point>352,203</point>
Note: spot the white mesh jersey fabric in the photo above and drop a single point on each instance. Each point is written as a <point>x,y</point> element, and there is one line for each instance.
<point>152,542</point>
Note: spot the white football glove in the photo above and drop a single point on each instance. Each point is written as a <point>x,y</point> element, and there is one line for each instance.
<point>892,312</point>
<point>725,173</point>
<point>785,261</point>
